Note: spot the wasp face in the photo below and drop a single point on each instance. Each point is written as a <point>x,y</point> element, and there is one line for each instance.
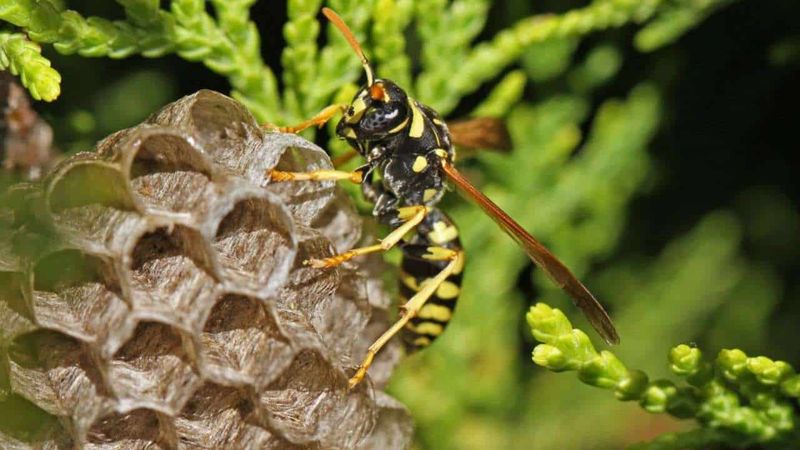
<point>377,111</point>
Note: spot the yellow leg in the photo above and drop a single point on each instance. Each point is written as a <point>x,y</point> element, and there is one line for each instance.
<point>319,120</point>
<point>344,158</point>
<point>317,175</point>
<point>411,215</point>
<point>410,309</point>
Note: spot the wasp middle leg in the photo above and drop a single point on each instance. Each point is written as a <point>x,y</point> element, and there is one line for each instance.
<point>411,216</point>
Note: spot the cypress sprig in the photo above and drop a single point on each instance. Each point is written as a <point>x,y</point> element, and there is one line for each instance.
<point>391,17</point>
<point>736,400</point>
<point>503,96</point>
<point>337,66</point>
<point>70,32</point>
<point>675,20</point>
<point>447,32</point>
<point>299,58</point>
<point>229,44</point>
<point>487,59</point>
<point>23,57</point>
<point>235,54</point>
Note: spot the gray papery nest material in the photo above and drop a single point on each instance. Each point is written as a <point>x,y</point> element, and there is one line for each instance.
<point>152,295</point>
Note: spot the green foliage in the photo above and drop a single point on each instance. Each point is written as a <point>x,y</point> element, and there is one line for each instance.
<point>739,400</point>
<point>228,42</point>
<point>579,161</point>
<point>674,20</point>
<point>24,58</point>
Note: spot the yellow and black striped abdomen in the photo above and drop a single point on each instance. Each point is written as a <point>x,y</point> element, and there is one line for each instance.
<point>418,267</point>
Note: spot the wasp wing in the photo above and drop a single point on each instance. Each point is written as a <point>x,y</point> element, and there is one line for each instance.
<point>540,255</point>
<point>480,133</point>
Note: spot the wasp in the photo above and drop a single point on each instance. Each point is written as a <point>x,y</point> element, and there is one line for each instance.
<point>412,150</point>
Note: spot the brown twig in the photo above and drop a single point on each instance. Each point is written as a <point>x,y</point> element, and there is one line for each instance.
<point>27,140</point>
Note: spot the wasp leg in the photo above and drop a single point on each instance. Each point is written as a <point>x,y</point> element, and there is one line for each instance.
<point>344,158</point>
<point>319,120</point>
<point>411,217</point>
<point>411,308</point>
<point>355,176</point>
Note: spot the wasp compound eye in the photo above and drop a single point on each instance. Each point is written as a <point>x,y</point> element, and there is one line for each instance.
<point>380,118</point>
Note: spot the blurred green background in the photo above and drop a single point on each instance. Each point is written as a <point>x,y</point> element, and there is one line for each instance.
<point>666,179</point>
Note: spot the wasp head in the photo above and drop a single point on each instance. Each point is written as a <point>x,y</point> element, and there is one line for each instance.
<point>377,111</point>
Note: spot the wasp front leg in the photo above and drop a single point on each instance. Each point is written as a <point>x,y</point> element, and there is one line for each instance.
<point>356,176</point>
<point>411,308</point>
<point>411,216</point>
<point>318,120</point>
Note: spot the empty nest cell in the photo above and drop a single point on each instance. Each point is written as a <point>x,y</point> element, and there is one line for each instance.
<point>168,173</point>
<point>309,289</point>
<point>242,344</point>
<point>342,330</point>
<point>310,403</point>
<point>86,183</point>
<point>154,368</point>
<point>254,243</point>
<point>172,276</point>
<point>224,126</point>
<point>305,199</point>
<point>57,373</point>
<point>339,222</point>
<point>78,294</point>
<point>139,428</point>
<point>222,417</point>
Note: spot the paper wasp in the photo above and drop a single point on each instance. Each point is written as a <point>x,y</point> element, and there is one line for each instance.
<point>412,148</point>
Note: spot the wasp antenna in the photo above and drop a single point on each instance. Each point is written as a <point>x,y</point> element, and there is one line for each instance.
<point>348,35</point>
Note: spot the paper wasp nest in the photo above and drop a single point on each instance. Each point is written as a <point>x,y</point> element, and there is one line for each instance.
<point>165,304</point>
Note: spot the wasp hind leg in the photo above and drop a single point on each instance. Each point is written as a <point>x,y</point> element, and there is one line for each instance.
<point>318,120</point>
<point>411,308</point>
<point>411,216</point>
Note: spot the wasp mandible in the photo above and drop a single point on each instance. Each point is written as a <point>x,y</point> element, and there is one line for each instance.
<point>413,150</point>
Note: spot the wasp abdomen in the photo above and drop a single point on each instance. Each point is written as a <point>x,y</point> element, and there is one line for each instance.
<point>419,266</point>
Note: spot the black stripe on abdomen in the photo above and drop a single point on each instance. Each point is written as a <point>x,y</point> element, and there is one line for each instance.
<point>434,316</point>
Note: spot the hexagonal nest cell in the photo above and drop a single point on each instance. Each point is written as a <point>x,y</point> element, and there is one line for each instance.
<point>167,305</point>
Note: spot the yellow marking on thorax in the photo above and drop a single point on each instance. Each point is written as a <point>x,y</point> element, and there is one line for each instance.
<point>440,152</point>
<point>429,194</point>
<point>419,164</point>
<point>448,290</point>
<point>442,233</point>
<point>417,120</point>
<point>436,135</point>
<point>433,329</point>
<point>435,312</point>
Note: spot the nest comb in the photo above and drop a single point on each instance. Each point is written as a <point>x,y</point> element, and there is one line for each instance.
<point>152,295</point>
